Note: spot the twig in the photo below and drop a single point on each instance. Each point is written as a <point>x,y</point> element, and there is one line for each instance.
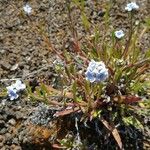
<point>13,79</point>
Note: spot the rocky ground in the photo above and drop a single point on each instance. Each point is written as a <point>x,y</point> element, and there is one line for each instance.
<point>25,55</point>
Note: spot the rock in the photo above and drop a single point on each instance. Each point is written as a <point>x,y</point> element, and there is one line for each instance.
<point>2,124</point>
<point>3,131</point>
<point>1,145</point>
<point>2,51</point>
<point>12,122</point>
<point>5,65</point>
<point>8,136</point>
<point>1,117</point>
<point>1,138</point>
<point>14,67</point>
<point>15,141</point>
<point>4,148</point>
<point>19,115</point>
<point>17,108</point>
<point>17,148</point>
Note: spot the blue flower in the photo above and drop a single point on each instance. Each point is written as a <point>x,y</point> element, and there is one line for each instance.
<point>19,86</point>
<point>119,34</point>
<point>131,6</point>
<point>12,92</point>
<point>96,72</point>
<point>13,89</point>
<point>27,9</point>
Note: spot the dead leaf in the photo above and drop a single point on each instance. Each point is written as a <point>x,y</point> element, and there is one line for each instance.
<point>57,146</point>
<point>127,99</point>
<point>114,132</point>
<point>58,92</point>
<point>66,112</point>
<point>131,99</point>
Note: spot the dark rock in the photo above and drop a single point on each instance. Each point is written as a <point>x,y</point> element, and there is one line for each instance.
<point>3,131</point>
<point>101,13</point>
<point>2,124</point>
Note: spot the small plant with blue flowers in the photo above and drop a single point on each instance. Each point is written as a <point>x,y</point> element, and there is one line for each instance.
<point>102,84</point>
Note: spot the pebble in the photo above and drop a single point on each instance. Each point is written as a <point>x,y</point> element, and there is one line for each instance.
<point>8,136</point>
<point>18,148</point>
<point>15,147</point>
<point>2,123</point>
<point>1,138</point>
<point>1,145</point>
<point>12,122</point>
<point>5,65</point>
<point>3,131</point>
<point>15,141</point>
<point>14,67</point>
<point>1,117</point>
<point>4,148</point>
<point>2,51</point>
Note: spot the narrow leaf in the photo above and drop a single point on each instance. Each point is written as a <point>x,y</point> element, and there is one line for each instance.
<point>114,132</point>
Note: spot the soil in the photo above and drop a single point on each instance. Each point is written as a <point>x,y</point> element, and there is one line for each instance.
<point>25,55</point>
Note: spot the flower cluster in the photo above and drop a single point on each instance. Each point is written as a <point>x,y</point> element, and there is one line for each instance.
<point>119,34</point>
<point>131,6</point>
<point>96,72</point>
<point>27,9</point>
<point>13,89</point>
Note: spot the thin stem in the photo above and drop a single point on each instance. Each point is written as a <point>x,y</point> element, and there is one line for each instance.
<point>130,37</point>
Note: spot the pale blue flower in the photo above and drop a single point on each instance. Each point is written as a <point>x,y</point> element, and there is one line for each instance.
<point>132,6</point>
<point>12,92</point>
<point>13,89</point>
<point>27,8</point>
<point>19,85</point>
<point>119,34</point>
<point>96,72</point>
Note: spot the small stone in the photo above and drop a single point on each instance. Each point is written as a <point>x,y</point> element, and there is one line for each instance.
<point>12,122</point>
<point>3,131</point>
<point>5,66</point>
<point>15,141</point>
<point>17,108</point>
<point>101,13</point>
<point>2,124</point>
<point>2,51</point>
<point>1,117</point>
<point>8,136</point>
<point>17,148</point>
<point>1,138</point>
<point>14,67</point>
<point>20,115</point>
<point>1,145</point>
<point>4,148</point>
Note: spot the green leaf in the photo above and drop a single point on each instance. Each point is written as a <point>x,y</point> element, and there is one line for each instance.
<point>118,75</point>
<point>74,90</point>
<point>147,54</point>
<point>85,21</point>
<point>133,121</point>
